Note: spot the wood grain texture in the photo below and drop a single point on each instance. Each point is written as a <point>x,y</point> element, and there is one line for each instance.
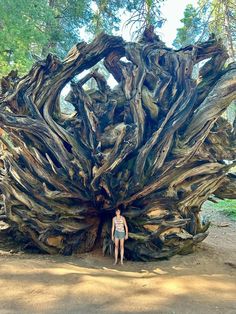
<point>155,144</point>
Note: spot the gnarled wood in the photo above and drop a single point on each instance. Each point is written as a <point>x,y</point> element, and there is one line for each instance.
<point>152,145</point>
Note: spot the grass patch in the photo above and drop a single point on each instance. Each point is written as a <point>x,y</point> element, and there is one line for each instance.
<point>227,206</point>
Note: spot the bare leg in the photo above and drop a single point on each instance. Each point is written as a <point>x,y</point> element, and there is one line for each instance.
<point>121,250</point>
<point>116,250</point>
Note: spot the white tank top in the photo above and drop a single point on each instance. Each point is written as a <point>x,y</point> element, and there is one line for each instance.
<point>119,224</point>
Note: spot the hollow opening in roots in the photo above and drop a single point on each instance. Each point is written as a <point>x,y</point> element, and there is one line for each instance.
<point>66,106</point>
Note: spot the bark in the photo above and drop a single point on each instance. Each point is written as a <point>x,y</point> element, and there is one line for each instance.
<point>155,145</point>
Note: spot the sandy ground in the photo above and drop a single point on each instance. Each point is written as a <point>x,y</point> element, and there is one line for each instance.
<point>203,282</point>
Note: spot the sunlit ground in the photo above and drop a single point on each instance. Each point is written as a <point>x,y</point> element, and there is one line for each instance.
<point>33,284</point>
<point>203,282</point>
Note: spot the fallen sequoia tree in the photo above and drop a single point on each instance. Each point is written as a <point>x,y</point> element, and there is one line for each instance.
<point>155,145</point>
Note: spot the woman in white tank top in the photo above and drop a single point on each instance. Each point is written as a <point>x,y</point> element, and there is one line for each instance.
<point>120,227</point>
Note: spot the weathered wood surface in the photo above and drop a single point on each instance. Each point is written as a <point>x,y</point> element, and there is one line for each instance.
<point>155,145</point>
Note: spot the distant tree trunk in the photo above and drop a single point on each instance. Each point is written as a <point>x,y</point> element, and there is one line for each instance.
<point>228,30</point>
<point>154,145</point>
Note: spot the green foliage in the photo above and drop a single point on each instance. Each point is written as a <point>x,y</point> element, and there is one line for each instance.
<point>227,206</point>
<point>30,29</point>
<point>193,27</point>
<point>210,16</point>
<point>145,13</point>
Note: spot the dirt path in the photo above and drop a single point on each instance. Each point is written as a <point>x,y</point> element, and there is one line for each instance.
<point>203,282</point>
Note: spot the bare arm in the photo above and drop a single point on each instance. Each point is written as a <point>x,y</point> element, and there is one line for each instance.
<point>126,228</point>
<point>112,229</point>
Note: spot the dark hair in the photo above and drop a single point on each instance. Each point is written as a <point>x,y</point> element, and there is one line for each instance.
<point>121,207</point>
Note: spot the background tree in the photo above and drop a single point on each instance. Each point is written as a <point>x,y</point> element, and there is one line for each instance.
<point>144,14</point>
<point>30,29</point>
<point>194,27</point>
<point>210,16</point>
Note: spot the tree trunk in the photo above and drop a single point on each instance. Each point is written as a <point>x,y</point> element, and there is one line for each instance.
<point>155,145</point>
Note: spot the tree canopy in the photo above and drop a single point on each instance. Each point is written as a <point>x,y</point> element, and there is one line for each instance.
<point>210,16</point>
<point>192,29</point>
<point>31,29</point>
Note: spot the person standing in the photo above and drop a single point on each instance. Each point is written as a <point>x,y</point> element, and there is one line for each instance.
<point>119,226</point>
